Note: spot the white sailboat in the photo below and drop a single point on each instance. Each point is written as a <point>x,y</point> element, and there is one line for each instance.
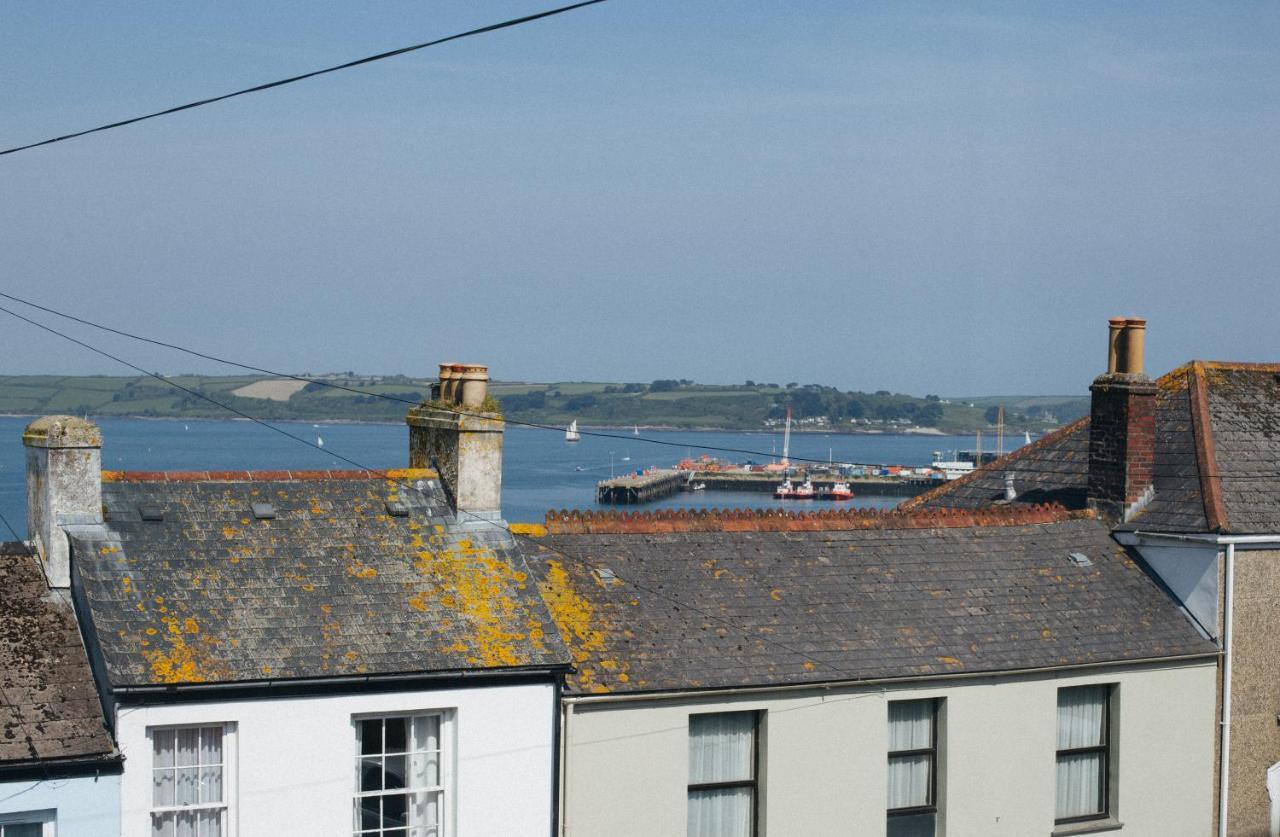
<point>571,433</point>
<point>635,430</point>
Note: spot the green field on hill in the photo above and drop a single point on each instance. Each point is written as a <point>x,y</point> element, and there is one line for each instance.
<point>663,403</point>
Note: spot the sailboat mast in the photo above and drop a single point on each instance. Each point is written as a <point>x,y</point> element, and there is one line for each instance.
<point>786,440</point>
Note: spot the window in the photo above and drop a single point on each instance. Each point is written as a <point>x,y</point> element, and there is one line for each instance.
<point>1084,733</point>
<point>29,824</point>
<point>722,774</point>
<point>913,775</point>
<point>188,782</point>
<point>401,776</point>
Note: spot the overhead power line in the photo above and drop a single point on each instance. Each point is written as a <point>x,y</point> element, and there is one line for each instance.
<point>413,487</point>
<point>506,24</point>
<point>382,395</point>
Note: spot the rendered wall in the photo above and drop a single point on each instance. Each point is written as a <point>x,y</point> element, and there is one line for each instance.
<point>824,769</point>
<point>1255,691</point>
<point>295,759</point>
<point>86,806</point>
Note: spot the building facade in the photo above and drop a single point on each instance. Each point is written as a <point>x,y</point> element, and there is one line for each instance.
<point>1005,672</point>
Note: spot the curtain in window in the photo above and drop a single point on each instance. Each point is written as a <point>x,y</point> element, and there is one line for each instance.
<point>1081,713</point>
<point>187,771</point>
<point>399,777</point>
<point>910,728</point>
<point>721,749</point>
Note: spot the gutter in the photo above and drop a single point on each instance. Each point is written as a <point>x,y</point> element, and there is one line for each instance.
<point>881,681</point>
<point>195,691</point>
<point>61,768</point>
<point>1228,643</point>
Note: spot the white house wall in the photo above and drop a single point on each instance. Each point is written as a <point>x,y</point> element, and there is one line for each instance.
<point>84,806</point>
<point>823,764</point>
<point>295,759</point>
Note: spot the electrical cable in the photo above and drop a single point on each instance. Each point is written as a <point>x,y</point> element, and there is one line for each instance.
<point>406,484</point>
<point>506,24</point>
<point>387,396</point>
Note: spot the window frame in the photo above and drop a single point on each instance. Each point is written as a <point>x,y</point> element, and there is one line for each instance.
<point>935,704</point>
<point>447,773</point>
<point>757,718</point>
<point>229,775</point>
<point>1106,749</point>
<point>46,818</point>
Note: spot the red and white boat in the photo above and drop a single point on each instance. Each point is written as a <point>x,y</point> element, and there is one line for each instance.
<point>840,491</point>
<point>790,491</point>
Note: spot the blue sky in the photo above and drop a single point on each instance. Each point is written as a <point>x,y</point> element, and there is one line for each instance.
<point>875,195</point>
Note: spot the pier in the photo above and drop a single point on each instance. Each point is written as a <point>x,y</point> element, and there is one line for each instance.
<point>861,486</point>
<point>640,488</point>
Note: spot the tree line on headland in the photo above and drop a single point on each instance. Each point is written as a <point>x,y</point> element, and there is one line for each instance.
<point>661,403</point>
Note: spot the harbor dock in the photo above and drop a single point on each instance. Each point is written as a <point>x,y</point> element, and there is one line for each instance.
<point>641,488</point>
<point>757,482</point>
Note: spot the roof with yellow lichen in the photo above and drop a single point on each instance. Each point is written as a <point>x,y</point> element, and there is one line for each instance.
<point>332,574</point>
<point>1217,457</point>
<point>651,603</point>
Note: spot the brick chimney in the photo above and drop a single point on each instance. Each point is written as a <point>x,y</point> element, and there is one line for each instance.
<point>64,487</point>
<point>1122,426</point>
<point>460,437</point>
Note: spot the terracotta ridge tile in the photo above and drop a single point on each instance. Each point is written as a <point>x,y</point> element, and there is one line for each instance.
<point>1215,511</point>
<point>566,522</point>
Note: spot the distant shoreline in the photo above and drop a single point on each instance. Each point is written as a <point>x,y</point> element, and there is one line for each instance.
<point>627,428</point>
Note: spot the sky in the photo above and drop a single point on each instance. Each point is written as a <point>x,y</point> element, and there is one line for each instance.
<point>914,197</point>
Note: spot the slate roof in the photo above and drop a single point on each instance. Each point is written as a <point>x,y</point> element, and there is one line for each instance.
<point>669,610</point>
<point>1217,458</point>
<point>1052,469</point>
<point>333,584</point>
<point>50,710</point>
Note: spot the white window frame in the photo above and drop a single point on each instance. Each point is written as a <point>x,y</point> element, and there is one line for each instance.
<point>229,774</point>
<point>447,786</point>
<point>47,819</point>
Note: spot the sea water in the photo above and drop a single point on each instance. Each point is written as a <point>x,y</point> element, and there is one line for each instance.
<point>541,471</point>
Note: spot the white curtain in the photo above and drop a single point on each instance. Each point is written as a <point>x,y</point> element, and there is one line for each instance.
<point>721,749</point>
<point>424,772</point>
<point>186,770</point>
<point>910,728</point>
<point>1081,713</point>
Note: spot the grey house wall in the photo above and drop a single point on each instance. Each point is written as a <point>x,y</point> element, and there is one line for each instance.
<point>824,762</point>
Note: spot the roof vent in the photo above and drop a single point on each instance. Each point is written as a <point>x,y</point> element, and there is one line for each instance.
<point>264,511</point>
<point>150,513</point>
<point>397,508</point>
<point>1079,559</point>
<point>606,574</point>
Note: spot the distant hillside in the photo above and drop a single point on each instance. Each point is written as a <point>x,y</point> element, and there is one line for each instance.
<point>666,403</point>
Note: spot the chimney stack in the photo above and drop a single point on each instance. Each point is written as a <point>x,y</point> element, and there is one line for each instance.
<point>64,487</point>
<point>1122,425</point>
<point>457,436</point>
